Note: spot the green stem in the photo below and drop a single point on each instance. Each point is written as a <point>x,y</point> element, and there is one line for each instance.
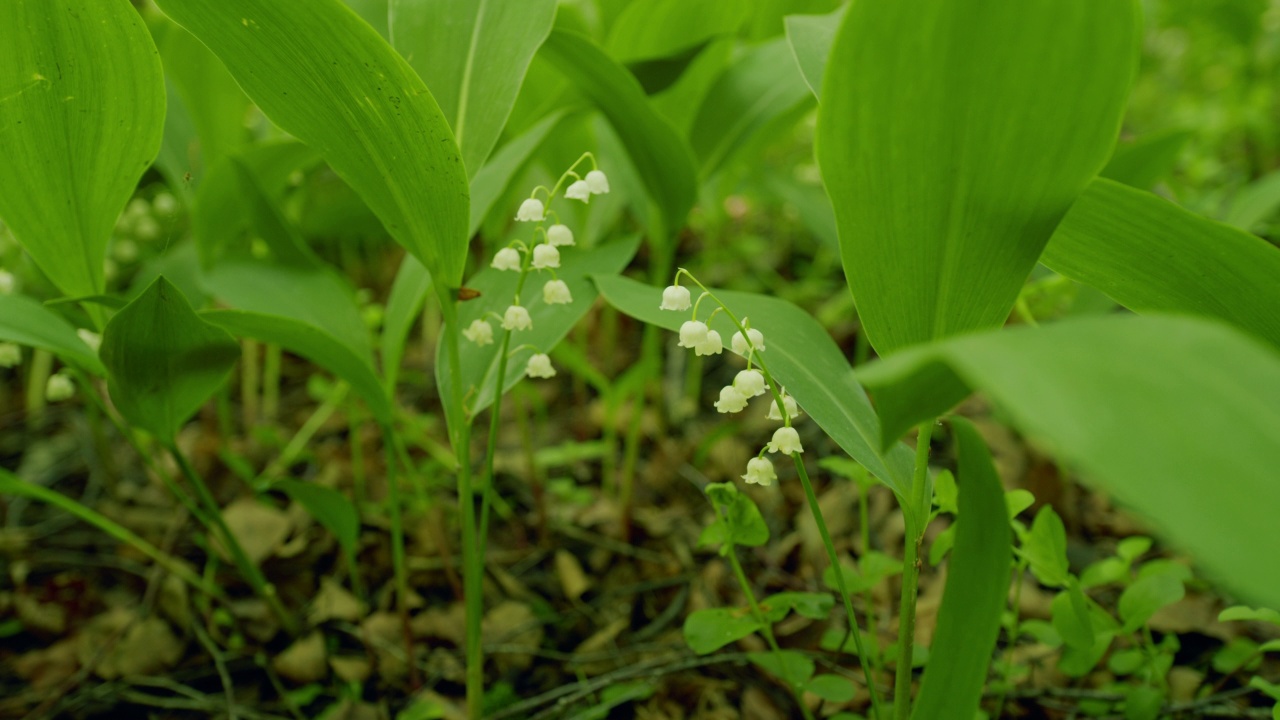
<point>916,516</point>
<point>398,565</point>
<point>251,573</point>
<point>271,382</point>
<point>816,511</point>
<point>491,446</point>
<point>1012,630</point>
<point>250,379</point>
<point>864,527</point>
<point>300,439</point>
<point>38,373</point>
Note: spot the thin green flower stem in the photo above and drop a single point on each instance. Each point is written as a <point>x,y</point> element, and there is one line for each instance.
<point>302,437</point>
<point>355,419</point>
<point>864,527</point>
<point>1013,631</point>
<point>38,372</point>
<point>556,190</point>
<point>814,508</point>
<point>472,561</point>
<point>765,629</point>
<point>916,515</point>
<point>250,379</point>
<point>251,573</point>
<point>271,361</point>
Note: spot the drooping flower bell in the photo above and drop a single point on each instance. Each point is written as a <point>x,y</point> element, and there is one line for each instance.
<point>693,333</point>
<point>560,235</point>
<point>749,383</point>
<point>59,387</point>
<point>556,292</point>
<point>597,182</point>
<point>760,472</point>
<point>786,441</point>
<point>479,332</point>
<point>741,346</point>
<point>788,403</point>
<point>545,256</point>
<point>676,298</point>
<point>710,346</point>
<point>516,318</point>
<point>539,366</point>
<point>731,400</point>
<point>506,259</point>
<point>531,210</point>
<point>578,190</point>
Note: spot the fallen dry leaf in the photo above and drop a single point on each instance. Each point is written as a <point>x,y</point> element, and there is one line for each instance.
<point>304,661</point>
<point>259,528</point>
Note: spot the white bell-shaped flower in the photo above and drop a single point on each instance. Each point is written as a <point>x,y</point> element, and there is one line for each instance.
<point>516,318</point>
<point>545,256</point>
<point>560,235</point>
<point>479,332</point>
<point>676,298</point>
<point>597,182</point>
<point>506,259</point>
<point>731,400</point>
<point>58,388</point>
<point>788,403</point>
<point>578,190</point>
<point>531,210</point>
<point>760,472</point>
<point>8,283</point>
<point>740,345</point>
<point>693,333</point>
<point>90,338</point>
<point>10,355</point>
<point>539,366</point>
<point>711,346</point>
<point>749,383</point>
<point>556,292</point>
<point>786,441</point>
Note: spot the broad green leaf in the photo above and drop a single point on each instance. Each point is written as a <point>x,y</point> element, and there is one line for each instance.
<point>1152,256</point>
<point>413,282</point>
<point>945,195</point>
<point>215,103</point>
<point>1143,163</point>
<point>758,88</point>
<point>27,322</point>
<point>81,117</point>
<point>473,55</point>
<point>792,667</point>
<point>832,688</point>
<point>163,362</point>
<point>1175,416</point>
<point>1241,612</point>
<point>661,28</point>
<point>977,588</point>
<point>374,12</point>
<point>811,204</point>
<point>328,79</point>
<point>1146,596</point>
<point>815,606</point>
<point>680,102</point>
<point>738,520</point>
<point>1143,702</point>
<point>803,358</point>
<point>329,507</point>
<point>710,629</point>
<point>316,345</point>
<point>810,38</point>
<point>1045,548</point>
<point>1256,203</point>
<point>660,156</point>
<point>551,323</point>
<point>1079,620</point>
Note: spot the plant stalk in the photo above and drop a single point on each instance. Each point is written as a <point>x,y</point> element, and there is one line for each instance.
<point>916,516</point>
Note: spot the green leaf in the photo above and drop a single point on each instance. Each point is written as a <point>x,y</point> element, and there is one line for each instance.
<point>803,358</point>
<point>946,195</point>
<point>710,629</point>
<point>473,55</point>
<point>977,588</point>
<point>616,696</point>
<point>27,322</point>
<point>832,688</point>
<point>1146,596</point>
<point>163,362</point>
<point>328,79</point>
<point>792,667</point>
<point>1172,415</point>
<point>945,492</point>
<point>1152,256</point>
<point>1045,548</point>
<point>760,87</point>
<point>1143,163</point>
<point>81,118</point>
<point>738,520</point>
<point>1257,202</point>
<point>815,606</point>
<point>660,156</point>
<point>1242,612</point>
<point>329,507</point>
<point>1143,703</point>
<point>810,38</point>
<point>316,345</point>
<point>661,28</point>
<point>551,323</point>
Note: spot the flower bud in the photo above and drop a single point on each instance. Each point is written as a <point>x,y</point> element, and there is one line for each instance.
<point>578,190</point>
<point>597,182</point>
<point>516,318</point>
<point>545,256</point>
<point>531,210</point>
<point>58,388</point>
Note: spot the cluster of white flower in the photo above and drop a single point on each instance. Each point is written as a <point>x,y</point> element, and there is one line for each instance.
<point>543,254</point>
<point>698,336</point>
